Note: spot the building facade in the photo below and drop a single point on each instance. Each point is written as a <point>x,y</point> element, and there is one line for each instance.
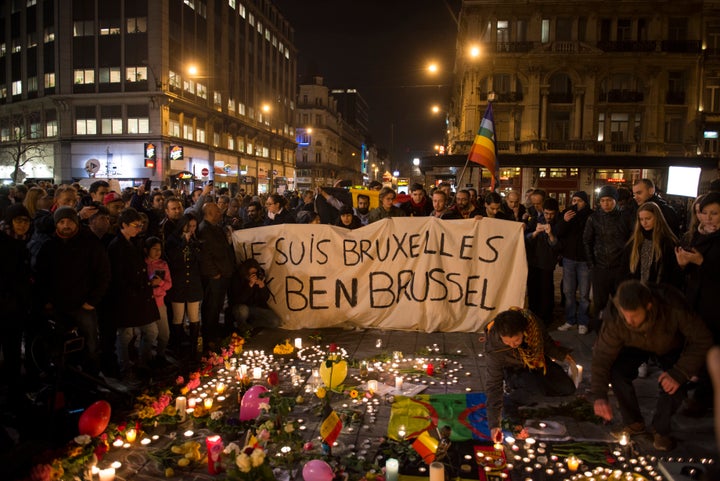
<point>585,93</point>
<point>329,146</point>
<point>177,91</point>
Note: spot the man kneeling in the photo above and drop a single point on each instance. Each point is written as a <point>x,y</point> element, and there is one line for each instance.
<point>642,321</point>
<point>520,352</point>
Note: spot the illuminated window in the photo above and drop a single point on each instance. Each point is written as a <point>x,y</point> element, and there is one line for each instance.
<point>189,86</point>
<point>201,91</point>
<point>49,35</point>
<point>50,80</point>
<point>190,3</point>
<point>232,4</point>
<point>173,79</point>
<point>83,28</point>
<point>241,10</point>
<point>17,87</point>
<point>109,75</point>
<point>217,98</point>
<point>136,74</point>
<point>138,125</point>
<point>32,84</point>
<point>137,25</point>
<point>173,128</point>
<point>86,126</point>
<point>188,131</point>
<point>51,128</point>
<point>84,76</point>
<point>111,126</point>
<point>200,135</point>
<point>231,143</point>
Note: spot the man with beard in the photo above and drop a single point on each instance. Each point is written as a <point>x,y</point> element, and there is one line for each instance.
<point>363,208</point>
<point>73,272</point>
<point>643,321</point>
<point>173,213</point>
<point>254,213</point>
<point>463,207</point>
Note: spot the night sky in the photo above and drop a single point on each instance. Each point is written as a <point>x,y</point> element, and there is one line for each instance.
<point>382,48</point>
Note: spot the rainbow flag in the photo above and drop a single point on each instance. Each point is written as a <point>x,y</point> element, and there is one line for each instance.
<point>331,427</point>
<point>484,148</point>
<point>464,413</point>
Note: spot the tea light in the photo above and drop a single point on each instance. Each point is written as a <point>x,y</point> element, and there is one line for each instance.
<point>145,441</point>
<point>188,433</point>
<point>208,402</point>
<point>378,343</point>
<point>130,436</point>
<point>401,432</point>
<point>106,474</point>
<point>220,387</point>
<point>298,343</point>
<point>573,462</point>
<point>372,385</point>
<point>257,372</point>
<point>191,403</point>
<point>391,469</point>
<point>118,443</point>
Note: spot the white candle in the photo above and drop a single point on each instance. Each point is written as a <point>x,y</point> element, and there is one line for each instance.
<point>181,406</point>
<point>208,402</point>
<point>130,435</point>
<point>437,471</point>
<point>391,469</point>
<point>372,385</point>
<point>298,343</point>
<point>257,372</point>
<point>191,402</point>
<point>579,375</point>
<point>220,387</point>
<point>106,474</point>
<point>243,370</point>
<point>398,382</point>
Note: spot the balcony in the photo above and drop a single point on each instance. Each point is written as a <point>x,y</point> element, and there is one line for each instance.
<point>622,96</point>
<point>680,46</point>
<point>505,97</point>
<point>513,47</point>
<point>627,46</point>
<point>560,97</point>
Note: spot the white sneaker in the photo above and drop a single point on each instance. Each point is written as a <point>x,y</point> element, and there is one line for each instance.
<point>566,327</point>
<point>582,330</point>
<point>643,370</point>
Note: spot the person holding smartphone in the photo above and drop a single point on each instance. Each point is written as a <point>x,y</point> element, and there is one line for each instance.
<point>249,295</point>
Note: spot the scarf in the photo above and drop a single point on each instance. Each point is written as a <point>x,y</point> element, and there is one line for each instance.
<point>532,350</point>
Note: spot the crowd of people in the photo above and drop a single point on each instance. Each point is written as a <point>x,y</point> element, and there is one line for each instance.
<point>149,277</point>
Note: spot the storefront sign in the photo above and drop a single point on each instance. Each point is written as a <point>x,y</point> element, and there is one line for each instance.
<point>176,152</point>
<point>150,151</point>
<point>417,273</point>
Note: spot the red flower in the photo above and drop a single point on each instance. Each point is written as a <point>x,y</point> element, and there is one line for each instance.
<point>100,450</point>
<point>430,370</point>
<point>333,347</point>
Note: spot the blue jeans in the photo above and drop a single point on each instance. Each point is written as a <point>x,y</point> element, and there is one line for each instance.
<point>148,336</point>
<point>576,277</point>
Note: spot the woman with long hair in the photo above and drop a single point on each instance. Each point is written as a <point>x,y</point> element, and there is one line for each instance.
<point>652,248</point>
<point>36,199</point>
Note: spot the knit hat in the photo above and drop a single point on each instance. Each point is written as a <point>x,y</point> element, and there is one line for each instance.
<point>608,191</point>
<point>66,212</point>
<point>581,194</point>
<point>15,210</point>
<point>111,196</point>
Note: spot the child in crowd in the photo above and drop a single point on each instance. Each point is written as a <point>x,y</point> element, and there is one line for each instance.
<point>159,274</point>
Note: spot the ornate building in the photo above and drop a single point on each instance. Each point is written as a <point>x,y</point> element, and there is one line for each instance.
<point>585,93</point>
<point>171,90</point>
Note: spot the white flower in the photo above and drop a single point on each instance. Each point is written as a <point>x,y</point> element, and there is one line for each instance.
<point>215,415</point>
<point>232,448</point>
<point>243,462</point>
<point>82,439</point>
<point>264,407</point>
<point>257,457</point>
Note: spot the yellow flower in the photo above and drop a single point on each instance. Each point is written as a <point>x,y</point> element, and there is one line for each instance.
<point>353,393</point>
<point>321,392</point>
<point>182,462</point>
<point>169,472</point>
<point>184,390</point>
<point>170,410</point>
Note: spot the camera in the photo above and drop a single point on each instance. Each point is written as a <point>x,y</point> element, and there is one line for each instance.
<point>261,274</point>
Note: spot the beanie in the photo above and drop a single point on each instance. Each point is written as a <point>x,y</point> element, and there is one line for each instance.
<point>608,191</point>
<point>15,210</point>
<point>581,194</point>
<point>66,212</point>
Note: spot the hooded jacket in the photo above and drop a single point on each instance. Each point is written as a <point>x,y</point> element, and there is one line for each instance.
<point>605,236</point>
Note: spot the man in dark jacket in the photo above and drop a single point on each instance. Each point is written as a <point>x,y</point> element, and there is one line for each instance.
<point>541,244</point>
<point>217,261</point>
<point>640,322</point>
<point>419,205</point>
<point>519,352</point>
<point>248,298</point>
<point>131,303</point>
<point>72,277</point>
<point>576,274</point>
<point>606,233</point>
<point>644,191</point>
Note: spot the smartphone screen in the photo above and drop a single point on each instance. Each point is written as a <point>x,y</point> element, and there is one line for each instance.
<point>148,185</point>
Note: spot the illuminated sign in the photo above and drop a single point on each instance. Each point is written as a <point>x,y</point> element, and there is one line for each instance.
<point>184,175</point>
<point>710,134</point>
<point>150,151</point>
<point>176,152</point>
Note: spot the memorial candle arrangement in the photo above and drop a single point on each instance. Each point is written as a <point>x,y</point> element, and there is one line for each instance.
<point>214,448</point>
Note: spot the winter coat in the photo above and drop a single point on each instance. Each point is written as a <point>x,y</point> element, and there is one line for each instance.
<point>15,276</point>
<point>184,262</point>
<point>570,234</point>
<point>669,326</point>
<point>702,283</point>
<point>216,253</point>
<point>130,302</point>
<point>605,236</point>
<point>159,292</point>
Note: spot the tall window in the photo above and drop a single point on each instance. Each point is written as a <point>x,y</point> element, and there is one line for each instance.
<point>50,80</point>
<point>545,30</point>
<point>17,87</point>
<point>503,31</point>
<point>109,74</point>
<point>173,128</point>
<point>83,28</point>
<point>624,30</point>
<point>85,121</point>
<point>84,76</point>
<point>136,74</point>
<point>712,95</point>
<point>188,132</point>
<point>563,29</point>
<point>674,129</point>
<point>137,25</point>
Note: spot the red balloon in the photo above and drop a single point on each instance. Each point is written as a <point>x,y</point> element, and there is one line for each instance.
<point>94,419</point>
<point>273,378</point>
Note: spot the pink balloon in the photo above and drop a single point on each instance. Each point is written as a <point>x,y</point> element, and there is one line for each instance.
<point>317,470</point>
<point>250,403</point>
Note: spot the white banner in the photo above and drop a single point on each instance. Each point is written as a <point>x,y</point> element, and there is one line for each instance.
<point>414,273</point>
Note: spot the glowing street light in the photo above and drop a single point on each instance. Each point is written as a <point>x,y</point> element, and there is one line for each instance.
<point>192,70</point>
<point>435,109</point>
<point>265,108</point>
<point>433,67</point>
<point>474,51</point>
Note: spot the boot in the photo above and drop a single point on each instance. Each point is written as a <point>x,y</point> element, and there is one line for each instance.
<point>194,337</point>
<point>177,335</point>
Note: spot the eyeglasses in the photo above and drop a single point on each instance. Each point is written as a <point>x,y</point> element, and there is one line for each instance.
<point>137,225</point>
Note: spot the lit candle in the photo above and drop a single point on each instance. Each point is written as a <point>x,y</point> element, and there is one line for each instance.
<point>181,406</point>
<point>391,469</point>
<point>220,387</point>
<point>398,383</point>
<point>378,343</point>
<point>191,403</point>
<point>573,462</point>
<point>298,343</point>
<point>257,372</point>
<point>130,435</point>
<point>372,385</point>
<point>208,402</point>
<point>243,370</point>
<point>106,474</point>
<point>401,432</point>
<point>579,375</point>
<point>437,471</point>
<point>214,448</point>
<point>118,443</point>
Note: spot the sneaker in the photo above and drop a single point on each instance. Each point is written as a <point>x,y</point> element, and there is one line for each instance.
<point>566,327</point>
<point>663,443</point>
<point>632,429</point>
<point>643,370</point>
<point>582,330</point>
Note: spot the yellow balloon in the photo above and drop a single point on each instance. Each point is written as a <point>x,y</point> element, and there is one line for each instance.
<point>338,370</point>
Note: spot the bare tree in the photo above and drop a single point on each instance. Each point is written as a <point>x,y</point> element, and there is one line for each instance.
<point>21,142</point>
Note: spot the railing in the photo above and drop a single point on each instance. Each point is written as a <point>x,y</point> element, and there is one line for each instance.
<point>680,46</point>
<point>622,96</point>
<point>627,46</point>
<point>513,47</point>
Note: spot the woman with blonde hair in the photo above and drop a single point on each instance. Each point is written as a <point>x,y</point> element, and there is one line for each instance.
<point>35,200</point>
<point>652,248</point>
